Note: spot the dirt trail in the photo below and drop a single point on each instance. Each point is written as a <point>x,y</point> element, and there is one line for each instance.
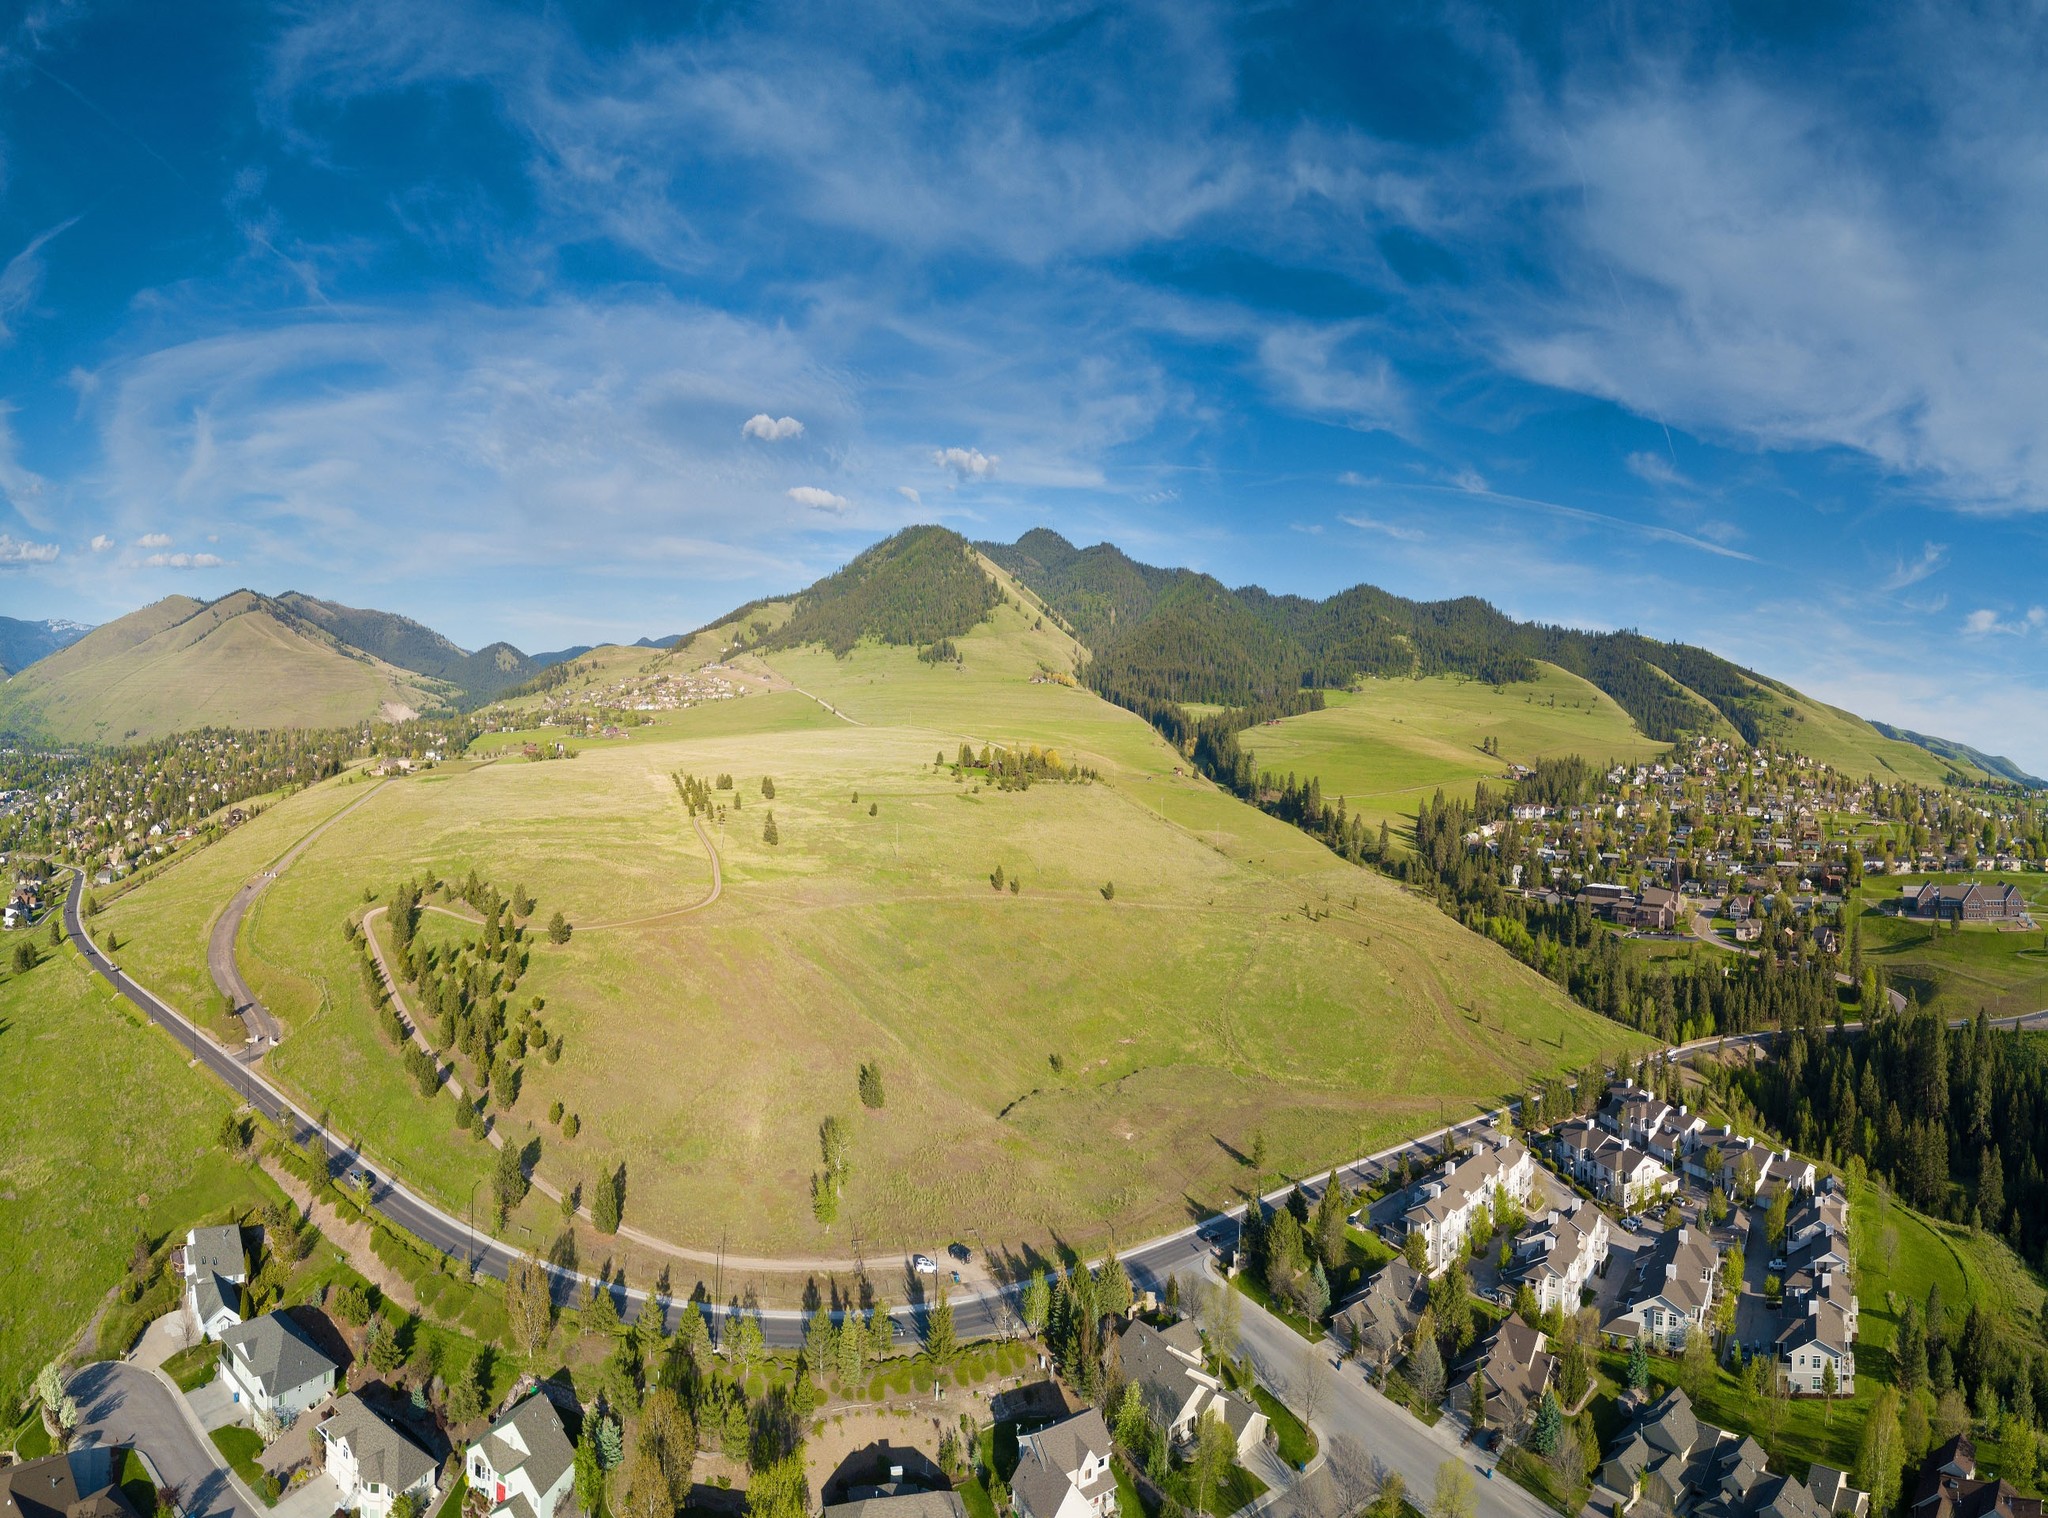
<point>350,1235</point>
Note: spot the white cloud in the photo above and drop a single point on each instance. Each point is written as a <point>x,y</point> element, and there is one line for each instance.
<point>1932,557</point>
<point>967,463</point>
<point>15,550</point>
<point>770,429</point>
<point>1323,371</point>
<point>154,540</point>
<point>1386,529</point>
<point>819,500</point>
<point>22,278</point>
<point>1358,481</point>
<point>1471,481</point>
<point>1984,622</point>
<point>184,561</point>
<point>1656,468</point>
<point>101,542</point>
<point>911,494</point>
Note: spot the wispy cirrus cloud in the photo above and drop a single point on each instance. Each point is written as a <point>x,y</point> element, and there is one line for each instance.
<point>1907,572</point>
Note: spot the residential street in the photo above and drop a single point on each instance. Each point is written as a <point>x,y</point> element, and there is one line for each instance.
<point>121,1403</point>
<point>1358,1428</point>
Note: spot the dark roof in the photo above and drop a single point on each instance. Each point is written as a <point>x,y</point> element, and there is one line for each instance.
<point>277,1352</point>
<point>50,1488</point>
<point>383,1452</point>
<point>901,1505</point>
<point>535,1424</point>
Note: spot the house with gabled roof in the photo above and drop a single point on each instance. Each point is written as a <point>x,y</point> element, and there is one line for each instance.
<point>1814,1340</point>
<point>1447,1202</point>
<point>216,1268</point>
<point>1516,1367</point>
<point>1177,1390</point>
<point>1670,1291</point>
<point>272,1368</point>
<point>79,1483</point>
<point>1375,1323</point>
<point>372,1460</point>
<point>1064,1470</point>
<point>1671,1462</point>
<point>523,1465</point>
<point>1559,1253</point>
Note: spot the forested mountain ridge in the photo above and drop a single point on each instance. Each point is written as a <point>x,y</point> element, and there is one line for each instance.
<point>407,644</point>
<point>23,643</point>
<point>1175,636</point>
<point>918,587</point>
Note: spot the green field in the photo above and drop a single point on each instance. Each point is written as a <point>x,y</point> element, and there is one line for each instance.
<point>1848,743</point>
<point>1979,967</point>
<point>105,1134</point>
<point>1388,745</point>
<point>1202,1004</point>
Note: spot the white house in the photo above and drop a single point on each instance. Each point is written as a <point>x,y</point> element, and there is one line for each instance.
<point>1670,1292</point>
<point>1165,1364</point>
<point>372,1462</point>
<point>1816,1339</point>
<point>1063,1470</point>
<point>1558,1254</point>
<point>524,1464</point>
<point>216,1270</point>
<point>272,1368</point>
<point>1451,1200</point>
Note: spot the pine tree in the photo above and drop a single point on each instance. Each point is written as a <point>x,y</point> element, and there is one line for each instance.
<point>1549,1424</point>
<point>1639,1365</point>
<point>768,832</point>
<point>606,1199</point>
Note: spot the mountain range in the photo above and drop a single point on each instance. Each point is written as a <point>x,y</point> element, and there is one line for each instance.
<point>1155,638</point>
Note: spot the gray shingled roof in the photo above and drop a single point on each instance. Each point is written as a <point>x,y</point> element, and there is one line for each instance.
<point>902,1505</point>
<point>548,1451</point>
<point>383,1454</point>
<point>276,1353</point>
<point>216,1252</point>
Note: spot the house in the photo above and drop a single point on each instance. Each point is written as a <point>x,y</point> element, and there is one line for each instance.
<point>372,1460</point>
<point>1376,1322</point>
<point>1673,1463</point>
<point>1064,1471</point>
<point>1610,1166</point>
<point>78,1484</point>
<point>1516,1367</point>
<point>1165,1364</point>
<point>272,1368</point>
<point>1949,1488</point>
<point>1448,1202</point>
<point>524,1464</point>
<point>1970,901</point>
<point>1654,910</point>
<point>1818,1338</point>
<point>1669,1292</point>
<point>1559,1253</point>
<point>216,1270</point>
<point>898,1501</point>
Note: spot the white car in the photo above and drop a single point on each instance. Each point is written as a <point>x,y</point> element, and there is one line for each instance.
<point>924,1265</point>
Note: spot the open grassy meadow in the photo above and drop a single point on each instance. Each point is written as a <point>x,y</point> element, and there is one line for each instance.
<point>105,1135</point>
<point>1845,741</point>
<point>2002,972</point>
<point>1059,1061</point>
<point>1388,745</point>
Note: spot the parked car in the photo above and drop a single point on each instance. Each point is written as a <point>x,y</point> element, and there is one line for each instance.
<point>924,1264</point>
<point>361,1177</point>
<point>960,1252</point>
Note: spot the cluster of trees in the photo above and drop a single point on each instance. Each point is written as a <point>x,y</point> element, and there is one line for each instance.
<point>1015,769</point>
<point>944,651</point>
<point>1297,1249</point>
<point>1066,1309</point>
<point>1956,1121</point>
<point>828,1182</point>
<point>919,587</point>
<point>701,795</point>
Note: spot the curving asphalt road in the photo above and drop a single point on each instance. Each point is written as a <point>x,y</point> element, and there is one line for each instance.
<point>258,1021</point>
<point>125,1404</point>
<point>990,1311</point>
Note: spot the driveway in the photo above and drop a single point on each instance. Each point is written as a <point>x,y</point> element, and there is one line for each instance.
<point>124,1404</point>
<point>317,1498</point>
<point>1359,1430</point>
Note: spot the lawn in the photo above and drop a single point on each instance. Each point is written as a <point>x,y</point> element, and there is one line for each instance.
<point>1389,745</point>
<point>193,1366</point>
<point>1056,1063</point>
<point>1297,1442</point>
<point>1958,973</point>
<point>240,1447</point>
<point>105,1136</point>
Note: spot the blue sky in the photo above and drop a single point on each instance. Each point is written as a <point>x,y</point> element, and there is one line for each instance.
<point>558,322</point>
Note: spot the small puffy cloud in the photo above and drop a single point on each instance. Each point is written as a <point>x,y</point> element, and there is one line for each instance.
<point>15,550</point>
<point>1905,572</point>
<point>153,540</point>
<point>184,561</point>
<point>966,463</point>
<point>819,500</point>
<point>771,429</point>
<point>101,542</point>
<point>1984,622</point>
<point>1388,529</point>
<point>910,494</point>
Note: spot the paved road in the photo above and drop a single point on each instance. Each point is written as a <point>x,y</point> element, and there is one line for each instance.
<point>126,1404</point>
<point>1358,1428</point>
<point>257,1020</point>
<point>975,1313</point>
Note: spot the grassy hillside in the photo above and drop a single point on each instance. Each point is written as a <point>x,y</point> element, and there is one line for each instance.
<point>405,644</point>
<point>1850,744</point>
<point>1241,979</point>
<point>1957,972</point>
<point>179,664</point>
<point>104,1136</point>
<point>1389,744</point>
